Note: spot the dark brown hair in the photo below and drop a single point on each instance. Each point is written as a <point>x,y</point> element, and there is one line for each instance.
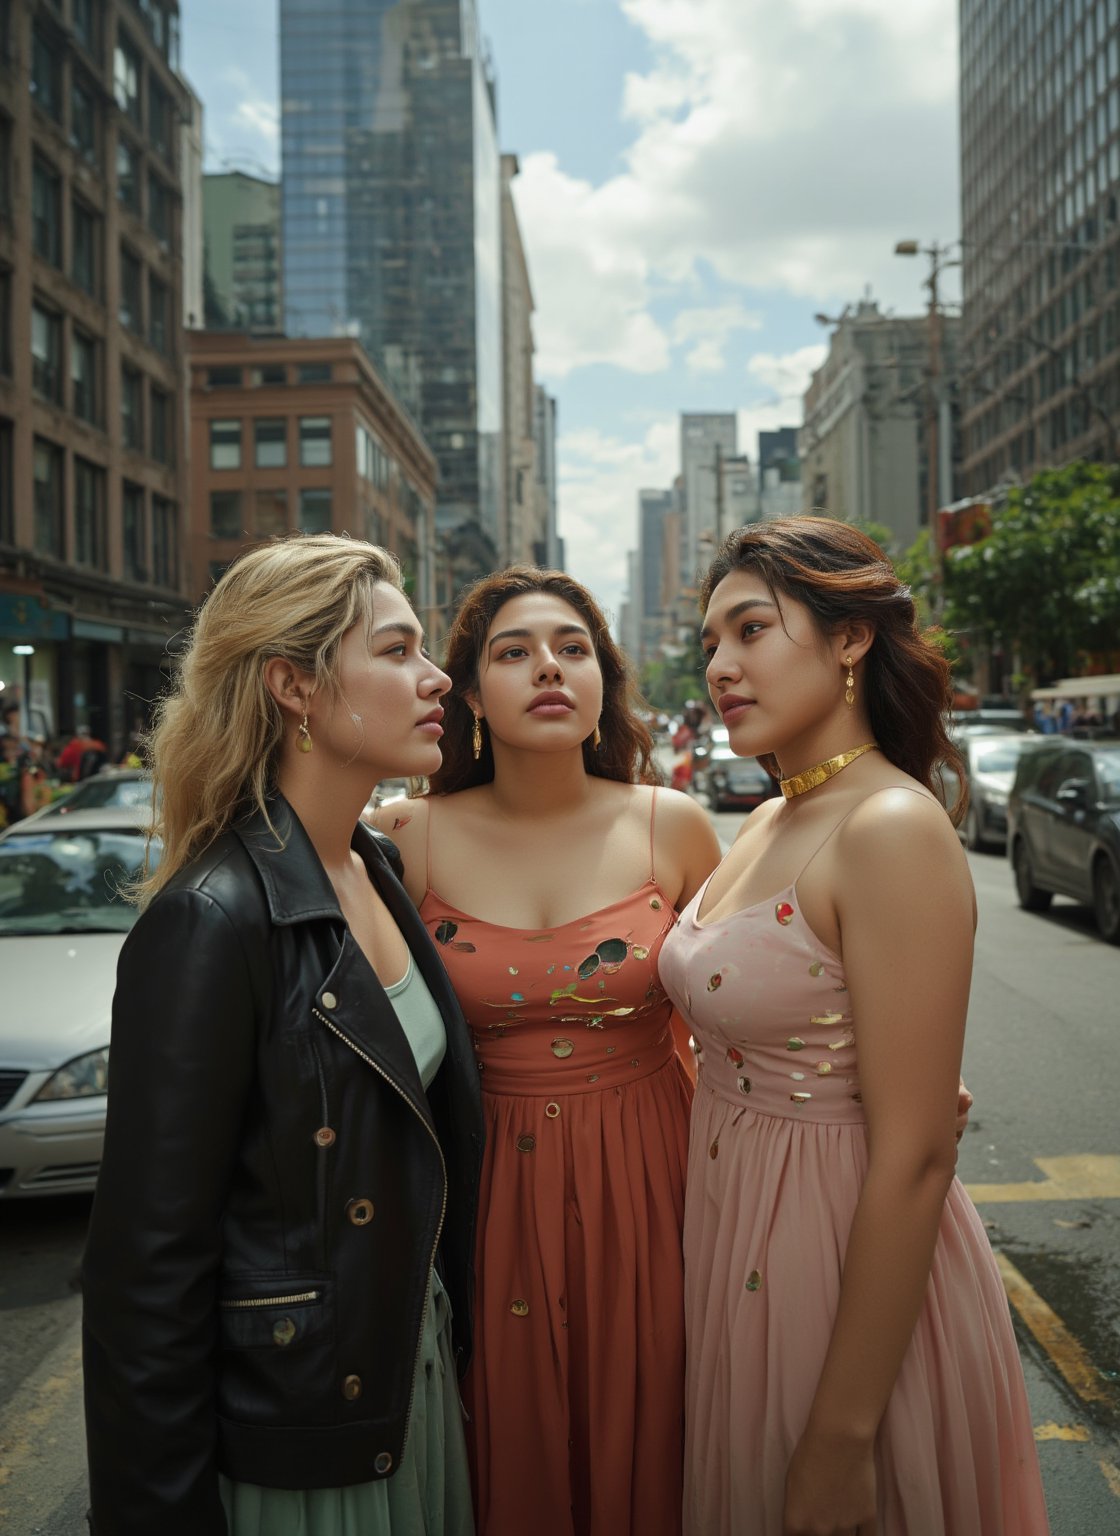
<point>626,744</point>
<point>841,576</point>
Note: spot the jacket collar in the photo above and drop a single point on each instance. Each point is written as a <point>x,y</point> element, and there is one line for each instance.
<point>296,884</point>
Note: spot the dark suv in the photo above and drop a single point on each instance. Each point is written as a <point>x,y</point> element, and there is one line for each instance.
<point>1063,827</point>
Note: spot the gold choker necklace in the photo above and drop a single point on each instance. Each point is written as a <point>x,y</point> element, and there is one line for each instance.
<point>819,772</point>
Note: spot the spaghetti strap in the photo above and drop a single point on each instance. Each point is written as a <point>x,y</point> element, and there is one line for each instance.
<point>912,789</point>
<point>652,814</point>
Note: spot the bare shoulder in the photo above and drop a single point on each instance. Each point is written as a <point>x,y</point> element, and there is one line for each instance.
<point>901,836</point>
<point>678,814</point>
<point>760,817</point>
<point>398,816</point>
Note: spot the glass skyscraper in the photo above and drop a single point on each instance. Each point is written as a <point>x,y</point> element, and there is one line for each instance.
<point>391,217</point>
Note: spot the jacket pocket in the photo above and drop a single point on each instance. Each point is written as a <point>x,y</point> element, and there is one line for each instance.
<point>277,1345</point>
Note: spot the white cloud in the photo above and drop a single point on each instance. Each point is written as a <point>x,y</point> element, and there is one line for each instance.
<point>260,118</point>
<point>786,146</point>
<point>707,331</point>
<point>600,477</point>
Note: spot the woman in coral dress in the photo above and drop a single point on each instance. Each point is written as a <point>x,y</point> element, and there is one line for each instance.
<point>851,1361</point>
<point>549,871</point>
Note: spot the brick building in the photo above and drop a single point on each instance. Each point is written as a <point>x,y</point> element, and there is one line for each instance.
<point>294,435</point>
<point>91,380</point>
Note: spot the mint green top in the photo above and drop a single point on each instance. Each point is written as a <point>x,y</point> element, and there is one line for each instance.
<point>429,1494</point>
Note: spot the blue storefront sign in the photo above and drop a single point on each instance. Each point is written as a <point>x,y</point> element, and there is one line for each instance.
<point>24,617</point>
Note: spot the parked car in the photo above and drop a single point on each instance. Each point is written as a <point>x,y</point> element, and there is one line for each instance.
<point>1063,833</point>
<point>989,762</point>
<point>736,783</point>
<point>111,788</point>
<point>63,920</point>
<point>700,752</point>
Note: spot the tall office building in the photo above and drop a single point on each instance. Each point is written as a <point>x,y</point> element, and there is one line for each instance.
<point>392,223</point>
<point>1040,227</point>
<point>653,509</point>
<point>706,440</point>
<point>241,225</point>
<point>544,438</point>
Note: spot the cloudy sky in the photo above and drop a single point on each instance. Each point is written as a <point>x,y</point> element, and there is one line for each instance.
<point>698,179</point>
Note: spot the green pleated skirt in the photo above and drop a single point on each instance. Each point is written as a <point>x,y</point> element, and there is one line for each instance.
<point>428,1495</point>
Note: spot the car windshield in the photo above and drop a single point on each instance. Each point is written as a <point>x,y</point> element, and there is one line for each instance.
<point>1107,765</point>
<point>998,756</point>
<point>62,882</point>
<point>97,794</point>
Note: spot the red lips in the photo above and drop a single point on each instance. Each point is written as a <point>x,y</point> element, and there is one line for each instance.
<point>730,701</point>
<point>551,701</point>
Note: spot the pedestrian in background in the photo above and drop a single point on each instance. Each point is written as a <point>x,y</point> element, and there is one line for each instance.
<point>852,1365</point>
<point>549,869</point>
<point>284,1218</point>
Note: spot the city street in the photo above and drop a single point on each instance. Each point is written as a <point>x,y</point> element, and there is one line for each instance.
<point>1041,1157</point>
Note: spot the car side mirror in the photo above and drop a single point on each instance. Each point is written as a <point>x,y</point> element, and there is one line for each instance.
<point>1074,792</point>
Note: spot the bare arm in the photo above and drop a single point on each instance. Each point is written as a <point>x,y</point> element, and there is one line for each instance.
<point>686,845</point>
<point>906,916</point>
<point>406,823</point>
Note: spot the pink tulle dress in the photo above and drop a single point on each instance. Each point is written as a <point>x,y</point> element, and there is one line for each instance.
<point>777,1159</point>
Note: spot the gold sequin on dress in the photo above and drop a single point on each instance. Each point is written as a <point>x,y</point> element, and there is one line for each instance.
<point>575,1391</point>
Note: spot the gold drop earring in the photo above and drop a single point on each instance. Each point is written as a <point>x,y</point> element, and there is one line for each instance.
<point>476,738</point>
<point>304,742</point>
<point>850,685</point>
<point>597,738</point>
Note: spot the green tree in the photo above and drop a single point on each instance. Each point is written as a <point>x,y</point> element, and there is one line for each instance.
<point>1045,583</point>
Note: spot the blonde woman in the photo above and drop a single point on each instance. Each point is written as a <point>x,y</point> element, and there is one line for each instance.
<point>284,1221</point>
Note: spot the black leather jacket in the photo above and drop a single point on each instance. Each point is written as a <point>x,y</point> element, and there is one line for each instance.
<point>274,1189</point>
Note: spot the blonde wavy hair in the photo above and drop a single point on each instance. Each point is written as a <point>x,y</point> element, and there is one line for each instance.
<point>214,746</point>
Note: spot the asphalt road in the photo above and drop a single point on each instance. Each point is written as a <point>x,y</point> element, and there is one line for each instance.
<point>1041,1157</point>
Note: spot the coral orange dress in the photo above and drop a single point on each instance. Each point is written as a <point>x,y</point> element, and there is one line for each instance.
<point>576,1389</point>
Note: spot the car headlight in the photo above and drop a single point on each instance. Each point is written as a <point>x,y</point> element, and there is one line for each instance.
<point>82,1078</point>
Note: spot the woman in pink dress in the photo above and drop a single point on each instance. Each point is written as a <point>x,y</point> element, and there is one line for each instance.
<point>851,1365</point>
<point>549,871</point>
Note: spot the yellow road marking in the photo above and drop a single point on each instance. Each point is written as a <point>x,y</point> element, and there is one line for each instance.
<point>1087,1177</point>
<point>1064,1350</point>
<point>1111,1476</point>
<point>1076,1432</point>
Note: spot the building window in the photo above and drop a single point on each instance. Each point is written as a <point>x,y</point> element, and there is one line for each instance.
<point>83,376</point>
<point>46,353</point>
<point>132,409</point>
<point>7,509</point>
<point>315,511</point>
<point>83,16</point>
<point>83,119</point>
<point>225,445</point>
<point>159,405</point>
<point>90,543</point>
<point>225,514</point>
<point>46,75</point>
<point>314,373</point>
<point>271,442</point>
<point>47,471</point>
<point>5,166</point>
<point>159,209</point>
<point>5,322</point>
<point>84,248</point>
<point>159,305</point>
<point>130,314</point>
<point>159,119</point>
<point>46,213</point>
<point>270,373</point>
<point>270,514</point>
<point>315,441</point>
<point>128,175</point>
<point>135,540</point>
<point>126,79</point>
<point>165,542</point>
<point>223,378</point>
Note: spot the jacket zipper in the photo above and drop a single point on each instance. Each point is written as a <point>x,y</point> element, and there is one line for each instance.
<point>443,1206</point>
<point>270,1301</point>
<point>321,1169</point>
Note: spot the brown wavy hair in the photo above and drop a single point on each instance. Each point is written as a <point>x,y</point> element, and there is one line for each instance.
<point>626,749</point>
<point>841,576</point>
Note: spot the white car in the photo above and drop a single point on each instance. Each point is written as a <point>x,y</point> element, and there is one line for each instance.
<point>63,920</point>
